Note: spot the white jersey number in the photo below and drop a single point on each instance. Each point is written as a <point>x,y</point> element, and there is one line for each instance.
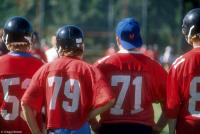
<point>74,96</point>
<point>195,96</point>
<point>125,80</point>
<point>6,83</point>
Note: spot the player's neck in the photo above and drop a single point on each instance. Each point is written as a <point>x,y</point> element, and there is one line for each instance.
<point>196,44</point>
<point>122,49</point>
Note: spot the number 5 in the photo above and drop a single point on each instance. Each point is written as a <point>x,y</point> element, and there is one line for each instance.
<point>12,99</point>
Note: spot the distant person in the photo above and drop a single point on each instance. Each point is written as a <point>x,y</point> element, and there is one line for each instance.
<point>167,58</point>
<point>44,44</point>
<point>148,51</point>
<point>183,92</point>
<point>3,48</point>
<point>137,81</point>
<point>71,90</point>
<point>143,49</point>
<point>16,71</point>
<point>151,52</point>
<point>111,50</point>
<point>36,49</point>
<point>156,53</point>
<point>51,53</point>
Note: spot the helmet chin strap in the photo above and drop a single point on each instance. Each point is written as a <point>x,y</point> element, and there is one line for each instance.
<point>189,34</point>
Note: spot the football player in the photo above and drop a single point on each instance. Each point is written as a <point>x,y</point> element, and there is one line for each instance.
<point>71,90</point>
<point>3,48</point>
<point>51,53</point>
<point>137,80</point>
<point>36,49</point>
<point>16,71</point>
<point>183,91</point>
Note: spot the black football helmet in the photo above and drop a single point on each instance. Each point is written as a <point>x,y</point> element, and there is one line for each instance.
<point>17,29</point>
<point>69,37</point>
<point>191,23</point>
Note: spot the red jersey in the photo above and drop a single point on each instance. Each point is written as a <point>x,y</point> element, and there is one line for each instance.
<point>183,88</point>
<point>38,53</point>
<point>137,81</point>
<point>16,71</point>
<point>69,89</point>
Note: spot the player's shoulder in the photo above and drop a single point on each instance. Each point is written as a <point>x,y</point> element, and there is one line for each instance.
<point>36,59</point>
<point>35,62</point>
<point>153,65</point>
<point>150,61</point>
<point>107,59</point>
<point>186,59</point>
<point>2,57</point>
<point>193,54</point>
<point>101,60</point>
<point>79,62</point>
<point>187,63</point>
<point>70,63</point>
<point>184,64</point>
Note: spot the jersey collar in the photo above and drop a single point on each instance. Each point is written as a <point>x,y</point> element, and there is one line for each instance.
<point>126,51</point>
<point>23,54</point>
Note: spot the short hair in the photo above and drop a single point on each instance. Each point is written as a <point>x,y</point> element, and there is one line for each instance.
<point>18,46</point>
<point>71,52</point>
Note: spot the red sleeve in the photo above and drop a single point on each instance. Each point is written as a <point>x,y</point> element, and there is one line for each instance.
<point>34,94</point>
<point>173,98</point>
<point>159,80</point>
<point>102,91</point>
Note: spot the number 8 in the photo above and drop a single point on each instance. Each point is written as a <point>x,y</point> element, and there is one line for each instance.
<point>194,97</point>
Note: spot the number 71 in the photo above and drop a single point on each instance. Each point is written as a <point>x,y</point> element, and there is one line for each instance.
<point>125,80</point>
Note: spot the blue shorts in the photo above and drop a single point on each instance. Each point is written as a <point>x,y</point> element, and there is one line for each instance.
<point>85,129</point>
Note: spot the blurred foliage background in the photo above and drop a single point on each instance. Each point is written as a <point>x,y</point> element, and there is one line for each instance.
<point>160,20</point>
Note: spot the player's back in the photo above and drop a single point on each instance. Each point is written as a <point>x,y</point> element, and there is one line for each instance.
<point>185,70</point>
<point>138,81</point>
<point>69,92</point>
<point>16,72</point>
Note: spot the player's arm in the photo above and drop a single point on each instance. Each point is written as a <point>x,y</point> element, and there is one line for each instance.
<point>162,121</point>
<point>100,110</point>
<point>172,126</point>
<point>92,115</point>
<point>94,123</point>
<point>30,118</point>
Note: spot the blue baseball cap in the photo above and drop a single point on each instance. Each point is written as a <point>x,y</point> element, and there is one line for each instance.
<point>128,31</point>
